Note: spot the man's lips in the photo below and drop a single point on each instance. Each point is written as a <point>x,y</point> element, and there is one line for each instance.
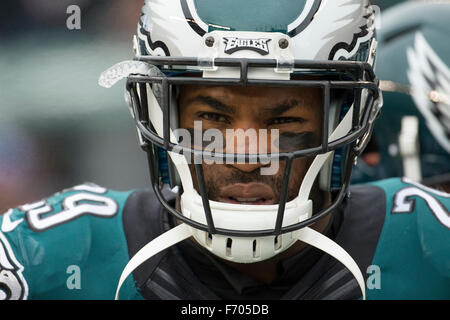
<point>248,194</point>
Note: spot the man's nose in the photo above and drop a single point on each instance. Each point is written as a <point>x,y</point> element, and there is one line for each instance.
<point>246,139</point>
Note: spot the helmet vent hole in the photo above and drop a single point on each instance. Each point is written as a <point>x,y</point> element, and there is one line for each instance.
<point>208,239</point>
<point>255,249</point>
<point>277,243</point>
<point>229,244</point>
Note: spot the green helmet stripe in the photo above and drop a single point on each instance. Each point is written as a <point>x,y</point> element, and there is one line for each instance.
<point>253,15</point>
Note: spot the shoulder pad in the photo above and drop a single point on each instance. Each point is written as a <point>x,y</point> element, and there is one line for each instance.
<point>413,251</point>
<point>409,197</point>
<point>66,206</point>
<point>432,210</point>
<point>79,227</point>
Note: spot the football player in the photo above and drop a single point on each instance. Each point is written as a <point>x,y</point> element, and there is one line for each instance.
<point>252,114</point>
<point>413,133</point>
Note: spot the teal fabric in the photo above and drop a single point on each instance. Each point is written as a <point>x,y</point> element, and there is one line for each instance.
<point>95,244</point>
<point>249,15</point>
<point>413,251</point>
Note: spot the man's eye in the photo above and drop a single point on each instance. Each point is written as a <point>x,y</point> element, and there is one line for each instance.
<point>285,121</point>
<point>210,116</point>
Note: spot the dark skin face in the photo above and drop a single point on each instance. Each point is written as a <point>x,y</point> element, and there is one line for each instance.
<point>295,112</point>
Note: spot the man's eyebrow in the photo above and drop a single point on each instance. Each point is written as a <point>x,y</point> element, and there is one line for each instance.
<point>281,108</point>
<point>213,103</point>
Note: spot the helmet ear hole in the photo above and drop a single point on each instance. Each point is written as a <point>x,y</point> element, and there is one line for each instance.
<point>277,243</point>
<point>208,239</point>
<point>229,245</point>
<point>256,249</point>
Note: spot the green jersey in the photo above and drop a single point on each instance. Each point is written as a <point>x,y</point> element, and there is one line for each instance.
<point>75,244</point>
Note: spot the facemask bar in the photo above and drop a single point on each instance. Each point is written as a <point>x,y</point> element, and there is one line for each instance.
<point>354,140</point>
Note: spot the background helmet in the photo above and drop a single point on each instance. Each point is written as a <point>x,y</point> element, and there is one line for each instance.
<point>413,133</point>
<point>271,43</point>
<point>384,4</point>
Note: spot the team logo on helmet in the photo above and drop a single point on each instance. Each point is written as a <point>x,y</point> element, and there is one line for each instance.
<point>12,283</point>
<point>430,81</point>
<point>235,44</point>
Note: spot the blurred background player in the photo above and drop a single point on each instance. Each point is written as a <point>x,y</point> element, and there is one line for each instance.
<point>412,138</point>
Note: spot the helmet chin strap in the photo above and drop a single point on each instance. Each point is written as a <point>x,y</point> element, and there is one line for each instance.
<point>183,231</point>
<point>164,241</point>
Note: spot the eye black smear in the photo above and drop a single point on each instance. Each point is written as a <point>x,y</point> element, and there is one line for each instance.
<point>290,141</point>
<point>287,141</point>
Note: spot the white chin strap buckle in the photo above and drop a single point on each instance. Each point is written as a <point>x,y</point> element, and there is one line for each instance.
<point>183,231</point>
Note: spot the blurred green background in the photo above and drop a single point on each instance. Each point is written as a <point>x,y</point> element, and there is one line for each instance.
<point>58,128</point>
